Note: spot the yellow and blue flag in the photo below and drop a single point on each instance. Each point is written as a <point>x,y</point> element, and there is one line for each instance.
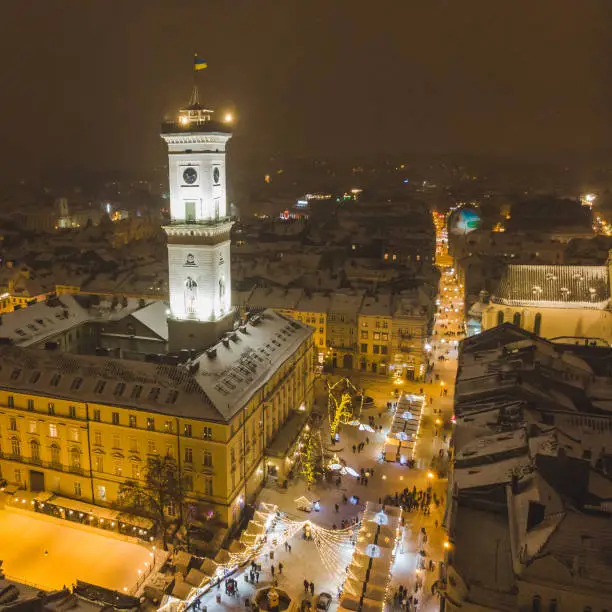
<point>199,64</point>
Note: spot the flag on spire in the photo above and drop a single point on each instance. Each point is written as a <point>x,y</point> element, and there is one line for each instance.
<point>199,64</point>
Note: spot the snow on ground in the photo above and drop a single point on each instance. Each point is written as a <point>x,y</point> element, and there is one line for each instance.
<point>50,554</point>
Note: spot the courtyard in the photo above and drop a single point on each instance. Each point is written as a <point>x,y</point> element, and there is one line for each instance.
<point>48,554</point>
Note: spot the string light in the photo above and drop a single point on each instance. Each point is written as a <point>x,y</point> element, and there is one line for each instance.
<point>333,546</point>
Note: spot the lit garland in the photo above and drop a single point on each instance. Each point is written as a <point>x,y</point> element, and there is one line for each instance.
<point>340,408</point>
<point>334,548</point>
<point>307,459</point>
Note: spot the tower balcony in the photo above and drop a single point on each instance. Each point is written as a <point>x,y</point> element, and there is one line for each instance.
<point>204,222</point>
<point>197,125</point>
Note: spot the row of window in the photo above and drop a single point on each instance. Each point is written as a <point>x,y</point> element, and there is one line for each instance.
<point>377,324</point>
<point>377,349</point>
<point>101,489</point>
<point>74,433</point>
<point>72,411</point>
<point>516,320</point>
<point>75,458</point>
<point>376,335</point>
<point>75,453</point>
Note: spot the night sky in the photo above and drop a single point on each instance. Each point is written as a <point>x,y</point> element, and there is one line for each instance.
<point>86,82</point>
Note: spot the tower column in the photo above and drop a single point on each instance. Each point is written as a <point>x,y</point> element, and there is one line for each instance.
<point>199,270</point>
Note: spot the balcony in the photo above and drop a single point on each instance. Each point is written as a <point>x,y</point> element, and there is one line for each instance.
<point>37,461</point>
<point>174,126</point>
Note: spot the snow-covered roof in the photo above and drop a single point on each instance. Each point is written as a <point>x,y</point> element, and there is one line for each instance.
<point>488,474</point>
<point>317,302</point>
<point>379,306</point>
<point>247,360</point>
<point>268,297</point>
<point>154,316</point>
<point>346,303</point>
<point>496,444</point>
<point>482,556</point>
<point>215,389</point>
<point>554,286</point>
<point>44,320</point>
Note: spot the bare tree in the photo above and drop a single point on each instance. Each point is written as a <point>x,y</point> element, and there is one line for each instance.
<point>161,488</point>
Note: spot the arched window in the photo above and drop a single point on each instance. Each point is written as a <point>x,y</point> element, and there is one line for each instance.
<point>35,450</point>
<point>536,603</point>
<point>552,605</point>
<point>500,317</point>
<point>537,324</point>
<point>75,458</point>
<point>15,447</point>
<point>55,454</point>
<point>516,319</point>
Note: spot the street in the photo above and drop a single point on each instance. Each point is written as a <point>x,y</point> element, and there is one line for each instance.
<point>411,570</point>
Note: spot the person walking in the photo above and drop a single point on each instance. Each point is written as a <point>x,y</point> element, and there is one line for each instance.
<point>272,570</point>
<point>306,585</point>
<point>280,569</point>
<point>312,588</point>
<point>354,449</point>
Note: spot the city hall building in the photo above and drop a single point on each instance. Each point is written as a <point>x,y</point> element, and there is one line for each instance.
<point>89,390</point>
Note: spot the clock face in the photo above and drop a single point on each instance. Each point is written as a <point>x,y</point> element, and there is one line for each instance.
<point>190,175</point>
<point>216,175</point>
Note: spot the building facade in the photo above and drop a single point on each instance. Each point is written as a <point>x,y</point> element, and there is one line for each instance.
<point>85,402</point>
<point>553,301</point>
<point>375,334</point>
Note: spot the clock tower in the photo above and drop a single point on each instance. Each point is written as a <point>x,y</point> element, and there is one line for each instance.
<point>199,231</point>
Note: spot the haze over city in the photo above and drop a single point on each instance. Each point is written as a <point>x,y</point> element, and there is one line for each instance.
<point>87,80</point>
<point>305,306</point>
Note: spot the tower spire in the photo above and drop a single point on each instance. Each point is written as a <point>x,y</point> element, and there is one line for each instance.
<point>194,100</point>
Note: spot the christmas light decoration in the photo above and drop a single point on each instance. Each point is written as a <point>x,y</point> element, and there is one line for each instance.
<point>339,404</point>
<point>268,530</point>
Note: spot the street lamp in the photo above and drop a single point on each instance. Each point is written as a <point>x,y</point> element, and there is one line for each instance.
<point>430,475</point>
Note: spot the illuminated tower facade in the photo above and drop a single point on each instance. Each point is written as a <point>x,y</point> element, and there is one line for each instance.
<point>199,231</point>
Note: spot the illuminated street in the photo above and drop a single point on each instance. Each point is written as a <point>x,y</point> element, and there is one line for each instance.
<point>50,554</point>
<point>409,570</point>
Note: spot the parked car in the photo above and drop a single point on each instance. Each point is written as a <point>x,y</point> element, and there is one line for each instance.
<point>324,601</point>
